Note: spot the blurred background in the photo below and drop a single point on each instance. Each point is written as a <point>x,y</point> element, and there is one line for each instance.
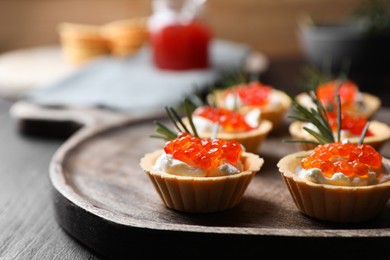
<point>270,27</point>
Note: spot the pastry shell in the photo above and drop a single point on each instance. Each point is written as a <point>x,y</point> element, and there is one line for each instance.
<point>126,36</point>
<point>381,134</point>
<point>333,203</point>
<point>251,140</point>
<point>201,194</point>
<point>273,113</point>
<point>370,104</point>
<point>81,42</point>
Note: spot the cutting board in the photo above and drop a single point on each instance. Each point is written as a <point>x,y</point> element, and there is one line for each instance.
<point>103,199</point>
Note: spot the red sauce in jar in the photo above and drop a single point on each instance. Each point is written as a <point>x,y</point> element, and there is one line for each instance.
<point>181,46</point>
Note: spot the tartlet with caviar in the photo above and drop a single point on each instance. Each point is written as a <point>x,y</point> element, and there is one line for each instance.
<point>198,175</point>
<point>82,42</point>
<point>337,181</point>
<point>227,124</point>
<point>125,36</point>
<point>352,126</point>
<point>244,97</point>
<point>352,99</point>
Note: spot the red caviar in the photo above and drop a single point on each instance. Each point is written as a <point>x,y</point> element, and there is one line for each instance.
<point>252,94</point>
<point>350,159</point>
<point>347,90</point>
<point>354,123</point>
<point>229,120</point>
<point>204,153</point>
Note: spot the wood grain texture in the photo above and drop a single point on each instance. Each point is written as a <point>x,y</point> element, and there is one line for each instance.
<point>30,208</point>
<point>267,26</point>
<point>99,182</point>
<point>27,223</point>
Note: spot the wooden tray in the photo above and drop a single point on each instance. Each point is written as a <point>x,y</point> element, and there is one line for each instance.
<point>103,199</point>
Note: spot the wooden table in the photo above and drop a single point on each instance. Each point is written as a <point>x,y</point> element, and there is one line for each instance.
<point>27,217</point>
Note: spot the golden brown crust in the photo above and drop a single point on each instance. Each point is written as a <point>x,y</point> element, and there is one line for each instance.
<point>251,140</point>
<point>273,113</point>
<point>332,203</point>
<point>81,42</point>
<point>381,134</point>
<point>126,36</point>
<point>201,194</point>
<point>370,104</point>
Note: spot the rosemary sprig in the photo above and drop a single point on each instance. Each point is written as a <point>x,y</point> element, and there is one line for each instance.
<point>364,132</point>
<point>168,134</point>
<point>318,117</point>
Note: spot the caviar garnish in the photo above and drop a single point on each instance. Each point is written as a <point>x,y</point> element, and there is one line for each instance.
<point>189,148</point>
<point>347,90</point>
<point>228,120</point>
<point>354,123</point>
<point>252,94</point>
<point>204,153</point>
<point>347,158</point>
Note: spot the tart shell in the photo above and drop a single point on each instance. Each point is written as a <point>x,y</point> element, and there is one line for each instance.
<point>370,104</point>
<point>251,140</point>
<point>273,113</point>
<point>333,203</point>
<point>381,134</point>
<point>201,194</point>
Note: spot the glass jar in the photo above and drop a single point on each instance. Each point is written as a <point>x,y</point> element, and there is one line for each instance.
<point>179,36</point>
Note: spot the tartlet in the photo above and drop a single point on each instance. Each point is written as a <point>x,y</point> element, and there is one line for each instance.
<point>273,104</point>
<point>82,42</point>
<point>380,131</point>
<point>362,103</point>
<point>329,202</point>
<point>201,194</point>
<point>251,138</point>
<point>198,175</point>
<point>125,36</point>
<point>337,181</point>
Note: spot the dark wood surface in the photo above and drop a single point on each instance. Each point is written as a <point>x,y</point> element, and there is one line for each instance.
<point>31,209</point>
<point>28,227</point>
<point>97,172</point>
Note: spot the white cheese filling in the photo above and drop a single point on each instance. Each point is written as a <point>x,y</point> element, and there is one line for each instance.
<point>233,101</point>
<point>202,124</point>
<point>339,179</point>
<point>168,164</point>
<point>344,134</point>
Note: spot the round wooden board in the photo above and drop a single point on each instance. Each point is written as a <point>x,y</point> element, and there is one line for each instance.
<point>104,200</point>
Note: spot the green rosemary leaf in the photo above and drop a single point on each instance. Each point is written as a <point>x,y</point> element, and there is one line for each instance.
<point>172,118</point>
<point>326,129</point>
<point>168,134</point>
<point>316,117</point>
<point>364,132</point>
<point>317,135</point>
<point>309,116</point>
<point>321,122</point>
<point>188,110</point>
<point>297,118</point>
<point>301,141</point>
<point>165,132</point>
<point>339,121</point>
<point>179,121</point>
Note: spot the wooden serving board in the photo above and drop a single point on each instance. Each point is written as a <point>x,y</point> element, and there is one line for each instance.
<point>103,199</point>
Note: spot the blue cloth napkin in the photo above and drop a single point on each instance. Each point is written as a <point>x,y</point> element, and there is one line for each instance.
<point>134,84</point>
